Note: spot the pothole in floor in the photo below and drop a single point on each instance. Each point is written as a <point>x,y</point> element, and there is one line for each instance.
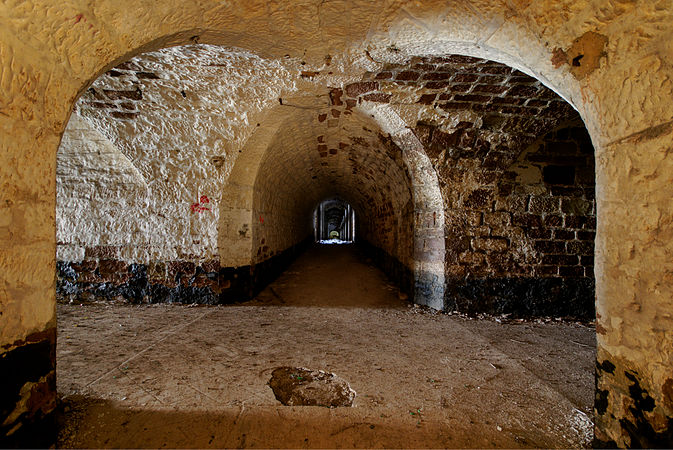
<point>296,386</point>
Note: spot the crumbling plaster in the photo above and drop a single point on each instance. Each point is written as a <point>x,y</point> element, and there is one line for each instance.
<point>51,55</point>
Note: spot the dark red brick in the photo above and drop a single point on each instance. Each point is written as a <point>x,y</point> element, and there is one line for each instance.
<point>471,98</point>
<point>136,94</point>
<point>357,89</point>
<point>124,115</point>
<point>147,76</point>
<point>581,247</point>
<point>437,84</point>
<point>565,235</point>
<point>453,105</point>
<point>523,91</point>
<point>527,220</point>
<point>489,88</point>
<point>586,235</point>
<point>436,76</point>
<point>408,75</point>
<point>377,97</point>
<point>427,99</point>
<point>575,221</point>
<point>538,233</point>
<point>561,260</point>
<point>335,97</point>
<point>465,78</point>
<point>424,67</point>
<point>546,270</point>
<point>101,105</point>
<point>111,266</point>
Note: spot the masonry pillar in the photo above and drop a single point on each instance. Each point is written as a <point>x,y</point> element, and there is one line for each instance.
<point>634,269</point>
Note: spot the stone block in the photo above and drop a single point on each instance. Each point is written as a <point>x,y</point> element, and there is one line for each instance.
<point>581,247</point>
<point>538,233</point>
<point>497,219</point>
<point>357,89</point>
<point>560,260</point>
<point>552,247</point>
<point>490,244</point>
<point>543,204</point>
<point>407,75</point>
<point>527,220</point>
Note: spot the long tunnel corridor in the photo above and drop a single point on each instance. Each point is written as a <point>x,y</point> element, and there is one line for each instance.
<point>178,376</point>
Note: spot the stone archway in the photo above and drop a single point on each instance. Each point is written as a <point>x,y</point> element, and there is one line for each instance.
<point>49,57</point>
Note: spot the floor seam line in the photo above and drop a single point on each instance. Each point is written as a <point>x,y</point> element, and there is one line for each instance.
<point>169,334</point>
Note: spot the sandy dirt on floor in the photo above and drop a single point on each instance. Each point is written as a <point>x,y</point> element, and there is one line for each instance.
<point>156,376</point>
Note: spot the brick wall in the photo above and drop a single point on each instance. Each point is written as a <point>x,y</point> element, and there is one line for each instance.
<point>522,242</point>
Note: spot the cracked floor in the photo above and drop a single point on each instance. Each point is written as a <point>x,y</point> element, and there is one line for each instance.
<point>181,376</point>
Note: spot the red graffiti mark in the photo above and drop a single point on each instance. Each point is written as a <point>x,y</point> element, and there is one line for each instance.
<point>261,219</point>
<point>79,17</point>
<point>198,207</point>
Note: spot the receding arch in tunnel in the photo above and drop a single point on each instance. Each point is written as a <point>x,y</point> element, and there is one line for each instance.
<point>334,220</point>
<point>311,158</point>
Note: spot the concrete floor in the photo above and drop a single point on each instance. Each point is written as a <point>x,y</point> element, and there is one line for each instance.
<point>180,376</point>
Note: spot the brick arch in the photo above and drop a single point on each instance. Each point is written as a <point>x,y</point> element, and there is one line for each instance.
<point>429,239</point>
<point>48,58</point>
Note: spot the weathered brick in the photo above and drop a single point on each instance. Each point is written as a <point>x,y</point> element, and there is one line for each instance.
<point>427,99</point>
<point>135,94</point>
<point>546,270</point>
<point>437,84</point>
<point>111,266</point>
<point>471,98</point>
<point>581,247</point>
<point>335,96</point>
<point>565,235</point>
<point>553,247</point>
<point>124,115</point>
<point>543,204</point>
<point>465,78</point>
<point>497,219</point>
<point>538,233</point>
<point>478,199</point>
<point>553,220</point>
<point>527,220</point>
<point>408,75</point>
<point>357,89</point>
<point>436,76</point>
<point>561,260</point>
<point>471,258</point>
<point>378,97</point>
<point>490,244</point>
<point>147,76</point>
<point>489,88</point>
<point>523,91</point>
<point>586,235</point>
